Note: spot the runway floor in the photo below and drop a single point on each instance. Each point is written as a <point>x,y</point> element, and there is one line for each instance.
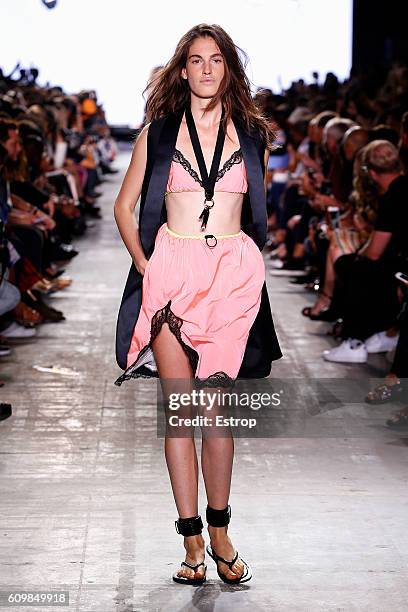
<point>320,510</point>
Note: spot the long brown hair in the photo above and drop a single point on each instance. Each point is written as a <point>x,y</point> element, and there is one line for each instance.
<point>169,92</point>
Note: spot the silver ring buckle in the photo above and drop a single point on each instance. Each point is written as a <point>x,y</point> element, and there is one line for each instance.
<point>207,205</point>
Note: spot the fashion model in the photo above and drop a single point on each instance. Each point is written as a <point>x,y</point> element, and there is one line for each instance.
<point>195,306</point>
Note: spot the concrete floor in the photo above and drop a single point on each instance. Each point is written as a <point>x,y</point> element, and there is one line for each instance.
<point>85,500</point>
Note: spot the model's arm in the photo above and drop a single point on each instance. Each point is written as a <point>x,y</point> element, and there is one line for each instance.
<point>125,203</point>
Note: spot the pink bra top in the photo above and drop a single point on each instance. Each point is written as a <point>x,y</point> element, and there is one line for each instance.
<point>231,177</point>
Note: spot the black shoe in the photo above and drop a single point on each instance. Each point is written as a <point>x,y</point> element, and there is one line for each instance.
<point>79,226</point>
<point>67,246</point>
<point>5,411</point>
<point>92,210</point>
<point>303,280</point>
<point>221,518</point>
<point>328,315</point>
<point>296,263</point>
<point>34,299</point>
<point>63,252</point>
<point>95,212</point>
<point>189,527</point>
<point>107,170</point>
<point>51,276</point>
<point>291,267</point>
<point>64,255</point>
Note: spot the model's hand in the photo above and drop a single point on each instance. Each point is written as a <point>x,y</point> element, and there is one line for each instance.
<point>140,265</point>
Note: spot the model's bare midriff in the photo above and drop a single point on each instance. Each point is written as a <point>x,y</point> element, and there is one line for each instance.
<point>183,210</point>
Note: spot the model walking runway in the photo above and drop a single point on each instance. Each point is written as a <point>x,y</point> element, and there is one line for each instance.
<point>83,478</point>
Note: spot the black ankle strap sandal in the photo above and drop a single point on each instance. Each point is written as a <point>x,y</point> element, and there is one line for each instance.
<point>221,518</point>
<point>190,527</point>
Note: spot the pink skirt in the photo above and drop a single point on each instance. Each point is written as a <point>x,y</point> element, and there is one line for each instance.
<point>209,293</point>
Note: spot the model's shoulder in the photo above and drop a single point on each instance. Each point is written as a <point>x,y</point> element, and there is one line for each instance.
<point>144,131</point>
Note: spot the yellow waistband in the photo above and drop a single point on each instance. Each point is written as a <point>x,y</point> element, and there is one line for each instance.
<point>201,237</point>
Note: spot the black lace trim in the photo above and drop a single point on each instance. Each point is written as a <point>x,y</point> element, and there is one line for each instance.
<point>235,158</point>
<point>165,314</point>
<point>179,158</point>
<point>219,379</point>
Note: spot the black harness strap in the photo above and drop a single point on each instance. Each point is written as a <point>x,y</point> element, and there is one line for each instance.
<point>207,180</point>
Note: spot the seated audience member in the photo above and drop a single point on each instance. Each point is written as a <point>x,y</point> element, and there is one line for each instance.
<point>370,303</point>
<point>346,234</point>
<point>54,150</point>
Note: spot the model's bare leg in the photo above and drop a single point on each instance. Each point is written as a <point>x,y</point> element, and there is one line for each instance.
<point>217,456</point>
<point>174,368</point>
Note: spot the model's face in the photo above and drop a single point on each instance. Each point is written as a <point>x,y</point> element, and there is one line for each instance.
<point>204,68</point>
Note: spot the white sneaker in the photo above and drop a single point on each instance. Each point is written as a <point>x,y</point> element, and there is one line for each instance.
<point>276,264</point>
<point>349,351</point>
<point>18,331</point>
<point>381,343</point>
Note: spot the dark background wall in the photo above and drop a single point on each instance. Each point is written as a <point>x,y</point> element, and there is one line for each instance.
<point>380,33</point>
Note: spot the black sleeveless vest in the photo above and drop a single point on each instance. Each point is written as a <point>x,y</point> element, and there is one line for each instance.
<point>262,345</point>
